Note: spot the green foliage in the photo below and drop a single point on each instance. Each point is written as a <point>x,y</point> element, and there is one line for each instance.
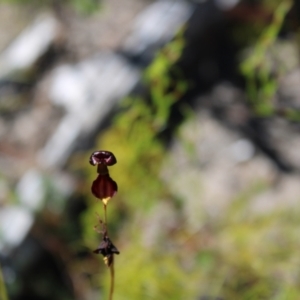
<point>292,114</point>
<point>258,69</point>
<point>86,6</point>
<point>82,6</point>
<point>260,257</point>
<point>144,274</point>
<point>240,255</point>
<point>3,294</point>
<point>166,90</point>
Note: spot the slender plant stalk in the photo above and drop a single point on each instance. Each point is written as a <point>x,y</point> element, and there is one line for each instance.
<point>104,188</point>
<point>105,215</point>
<point>111,268</point>
<point>3,293</point>
<point>112,279</point>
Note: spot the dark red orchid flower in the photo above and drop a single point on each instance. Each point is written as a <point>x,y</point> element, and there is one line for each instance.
<point>104,187</point>
<point>102,157</point>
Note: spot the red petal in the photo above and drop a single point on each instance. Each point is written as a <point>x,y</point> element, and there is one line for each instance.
<point>104,187</point>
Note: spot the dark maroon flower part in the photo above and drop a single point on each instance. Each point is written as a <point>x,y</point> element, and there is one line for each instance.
<point>107,249</point>
<point>104,187</point>
<point>102,158</point>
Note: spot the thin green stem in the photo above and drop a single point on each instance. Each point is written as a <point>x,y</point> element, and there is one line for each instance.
<point>105,215</point>
<point>112,279</point>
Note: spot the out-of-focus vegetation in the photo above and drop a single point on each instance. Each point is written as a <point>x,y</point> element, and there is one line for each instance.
<point>82,6</point>
<point>260,68</point>
<point>3,294</point>
<point>239,255</point>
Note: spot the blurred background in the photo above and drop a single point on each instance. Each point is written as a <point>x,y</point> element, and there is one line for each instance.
<point>200,103</point>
